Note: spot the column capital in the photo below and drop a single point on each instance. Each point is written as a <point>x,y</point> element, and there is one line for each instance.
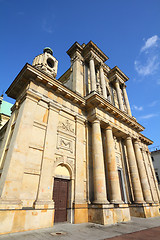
<point>15,106</point>
<point>96,120</point>
<point>100,64</point>
<point>128,137</point>
<point>143,150</point>
<point>117,80</point>
<point>124,85</point>
<point>109,127</point>
<point>54,107</point>
<point>136,140</point>
<point>77,57</point>
<point>91,56</point>
<point>80,119</point>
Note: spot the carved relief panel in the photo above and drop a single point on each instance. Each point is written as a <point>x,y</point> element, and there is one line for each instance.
<point>66,135</point>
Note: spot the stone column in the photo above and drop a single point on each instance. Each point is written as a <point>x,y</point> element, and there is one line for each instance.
<point>78,84</point>
<point>142,173</point>
<point>13,170</point>
<point>152,178</point>
<point>45,191</point>
<point>137,190</point>
<point>126,100</point>
<point>112,176</point>
<point>100,195</point>
<point>118,90</point>
<point>104,90</point>
<point>92,74</point>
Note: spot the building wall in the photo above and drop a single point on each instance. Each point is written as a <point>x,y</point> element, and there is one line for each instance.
<point>84,135</point>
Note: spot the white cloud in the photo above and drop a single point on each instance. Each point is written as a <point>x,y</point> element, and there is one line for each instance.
<point>148,116</point>
<point>148,61</point>
<point>158,81</point>
<point>152,104</point>
<point>150,42</point>
<point>149,67</point>
<point>137,108</point>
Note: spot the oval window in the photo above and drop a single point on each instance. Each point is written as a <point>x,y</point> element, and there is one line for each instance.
<point>50,62</point>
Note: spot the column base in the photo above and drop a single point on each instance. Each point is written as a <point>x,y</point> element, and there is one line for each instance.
<point>144,210</point>
<point>139,202</point>
<point>108,214</point>
<point>10,204</point>
<point>102,202</point>
<point>116,202</point>
<point>149,202</point>
<point>44,204</point>
<point>80,212</point>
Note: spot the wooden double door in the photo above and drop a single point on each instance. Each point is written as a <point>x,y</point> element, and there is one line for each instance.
<point>60,197</point>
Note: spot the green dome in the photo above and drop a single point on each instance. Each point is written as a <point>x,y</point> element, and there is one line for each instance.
<point>48,50</point>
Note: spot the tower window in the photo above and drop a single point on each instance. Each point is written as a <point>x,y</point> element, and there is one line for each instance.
<point>50,62</point>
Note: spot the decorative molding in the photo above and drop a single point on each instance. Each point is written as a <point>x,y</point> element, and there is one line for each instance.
<point>65,144</point>
<point>66,126</point>
<point>64,160</point>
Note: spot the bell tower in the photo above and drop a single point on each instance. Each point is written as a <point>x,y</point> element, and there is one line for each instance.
<point>46,62</point>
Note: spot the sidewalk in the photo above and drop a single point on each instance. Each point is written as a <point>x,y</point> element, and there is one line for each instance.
<point>90,231</point>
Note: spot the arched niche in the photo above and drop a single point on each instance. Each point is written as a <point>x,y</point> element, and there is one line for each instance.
<point>62,171</point>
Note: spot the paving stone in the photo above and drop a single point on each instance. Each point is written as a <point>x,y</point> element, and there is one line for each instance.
<point>138,228</point>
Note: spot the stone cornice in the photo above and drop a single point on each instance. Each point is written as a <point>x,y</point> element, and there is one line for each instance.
<point>86,49</point>
<point>145,139</point>
<point>75,47</point>
<point>93,47</point>
<point>116,73</point>
<point>29,73</point>
<point>95,100</point>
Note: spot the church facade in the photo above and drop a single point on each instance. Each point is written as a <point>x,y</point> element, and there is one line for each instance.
<point>72,151</point>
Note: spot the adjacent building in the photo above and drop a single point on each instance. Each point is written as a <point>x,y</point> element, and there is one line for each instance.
<point>72,151</point>
<point>5,111</point>
<point>155,155</point>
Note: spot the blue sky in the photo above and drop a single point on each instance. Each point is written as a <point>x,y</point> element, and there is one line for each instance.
<point>126,30</point>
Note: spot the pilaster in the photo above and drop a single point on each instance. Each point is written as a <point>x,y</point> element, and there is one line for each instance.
<point>44,196</point>
<point>78,84</point>
<point>80,175</point>
<point>11,179</point>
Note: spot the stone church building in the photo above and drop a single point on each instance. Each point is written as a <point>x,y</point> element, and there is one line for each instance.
<point>72,151</point>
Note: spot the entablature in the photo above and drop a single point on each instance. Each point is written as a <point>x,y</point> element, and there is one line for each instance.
<point>95,100</point>
<point>29,73</point>
<point>145,140</point>
<point>115,73</point>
